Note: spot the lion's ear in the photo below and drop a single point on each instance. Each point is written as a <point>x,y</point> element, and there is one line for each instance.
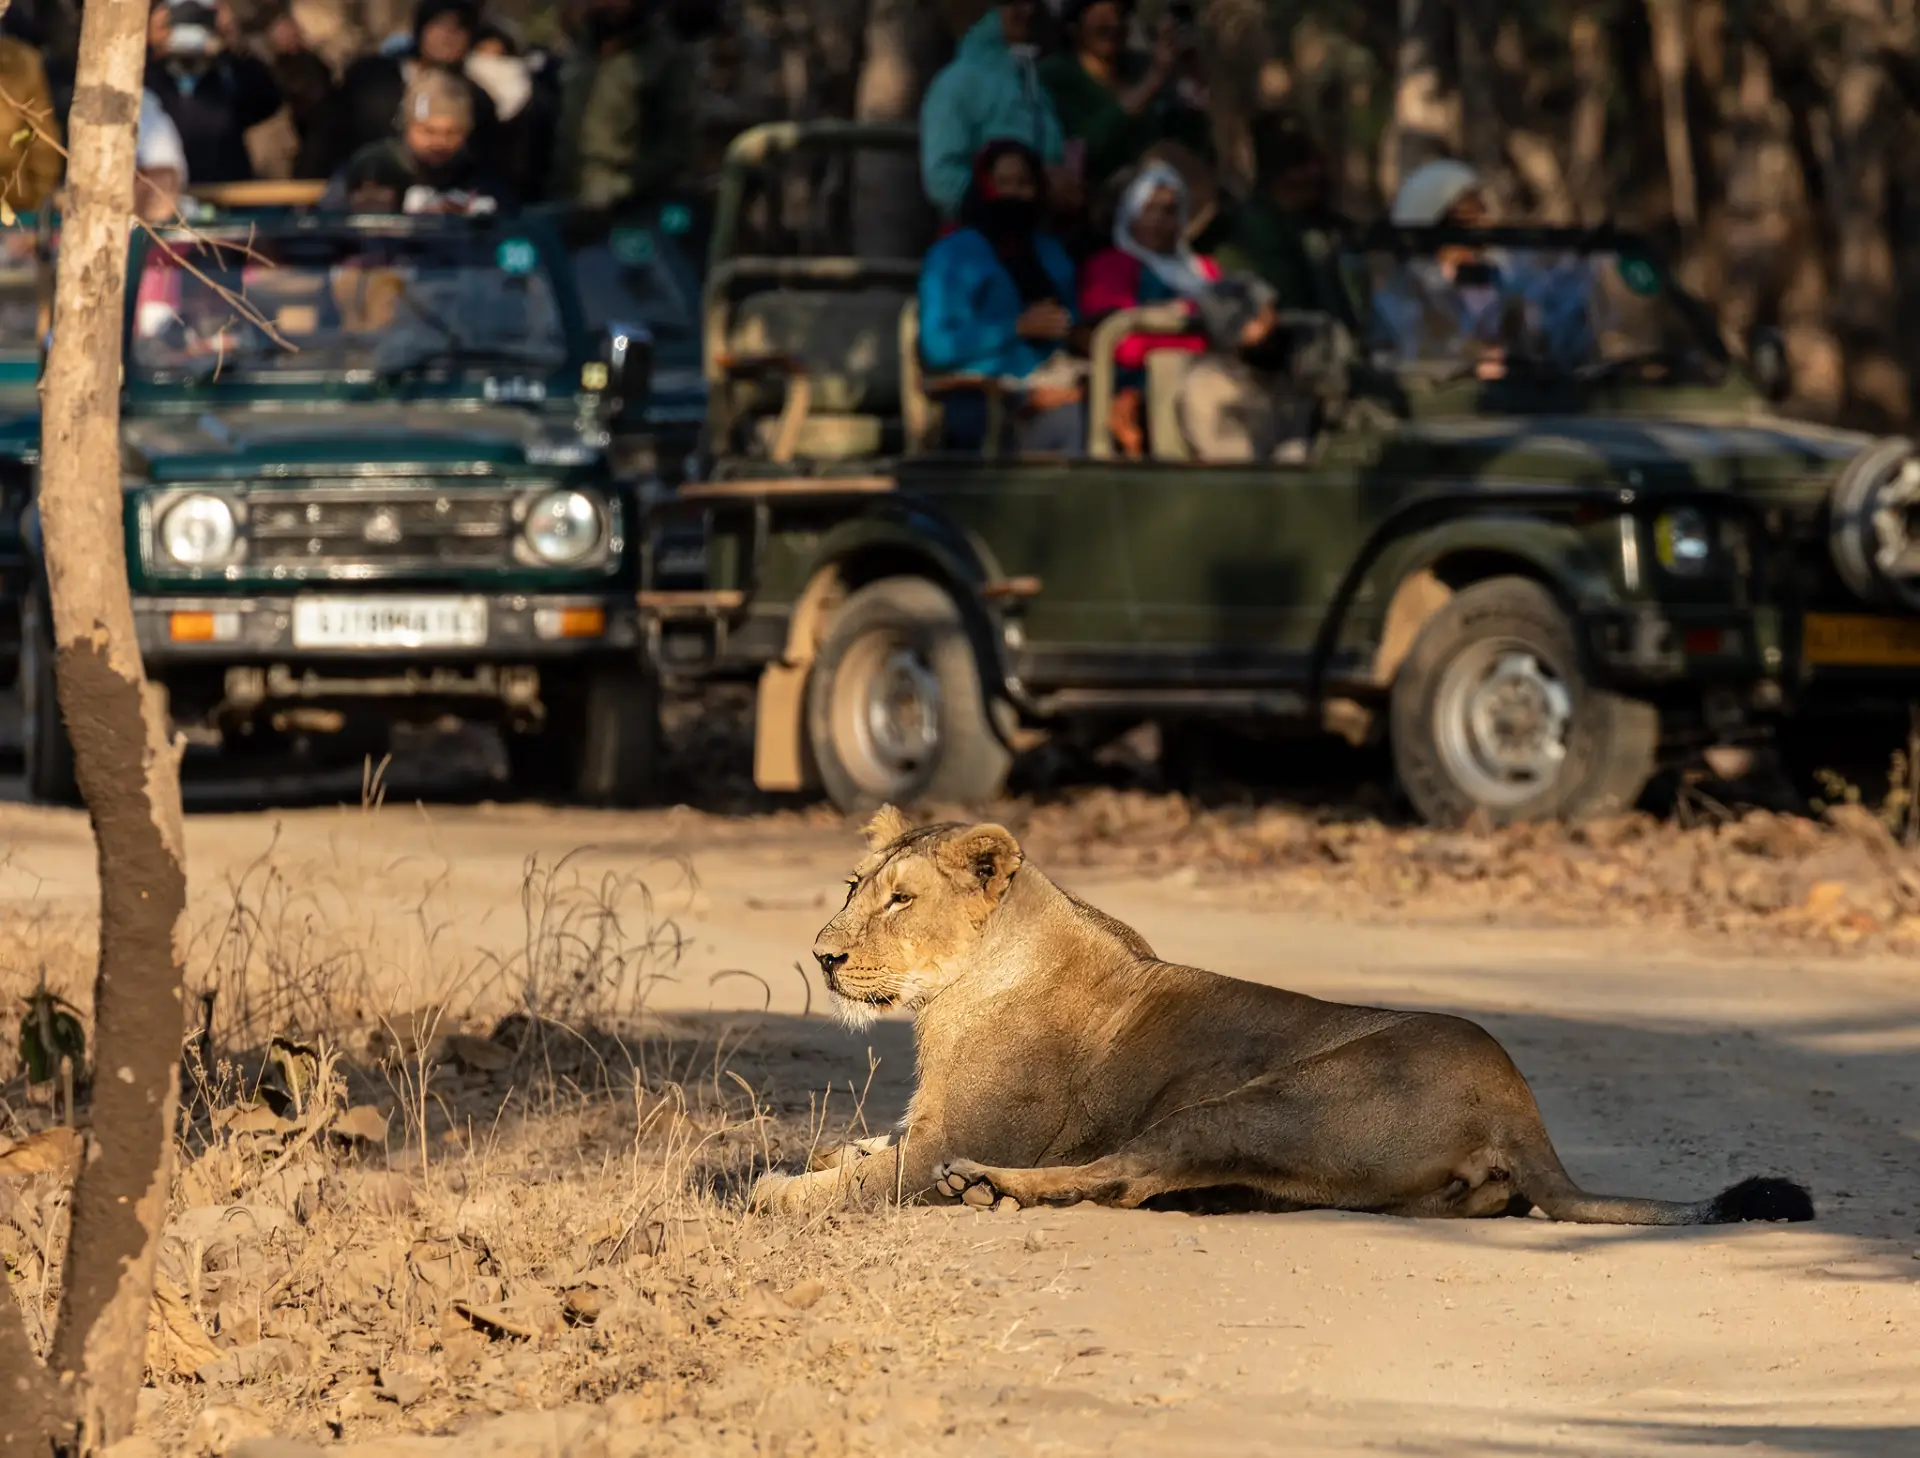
<point>887,826</point>
<point>983,855</point>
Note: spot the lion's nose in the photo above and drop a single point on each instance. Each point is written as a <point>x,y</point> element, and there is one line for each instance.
<point>830,963</point>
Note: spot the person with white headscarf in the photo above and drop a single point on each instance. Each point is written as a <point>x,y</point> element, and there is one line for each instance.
<point>159,162</point>
<point>1470,300</point>
<point>1149,262</point>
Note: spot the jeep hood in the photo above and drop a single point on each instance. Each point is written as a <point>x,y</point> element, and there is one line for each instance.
<point>258,441</point>
<point>1769,456</point>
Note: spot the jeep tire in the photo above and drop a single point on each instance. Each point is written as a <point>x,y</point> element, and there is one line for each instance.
<point>45,749</point>
<point>1492,713</point>
<point>600,741</point>
<point>896,711</point>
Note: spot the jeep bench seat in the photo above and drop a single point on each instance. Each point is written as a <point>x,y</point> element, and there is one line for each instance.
<point>816,372</point>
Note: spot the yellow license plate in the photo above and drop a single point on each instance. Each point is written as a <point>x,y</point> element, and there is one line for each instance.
<point>1858,641</point>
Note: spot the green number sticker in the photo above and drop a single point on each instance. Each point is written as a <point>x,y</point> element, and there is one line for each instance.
<point>1639,275</point>
<point>631,246</point>
<point>516,256</point>
<point>676,218</point>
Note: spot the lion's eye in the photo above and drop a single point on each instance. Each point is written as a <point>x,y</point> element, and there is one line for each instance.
<point>899,898</point>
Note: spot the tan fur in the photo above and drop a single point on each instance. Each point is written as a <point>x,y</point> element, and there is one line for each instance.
<point>1058,1059</point>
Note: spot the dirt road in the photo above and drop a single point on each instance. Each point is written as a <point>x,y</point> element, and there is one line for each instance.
<point>1662,1070</point>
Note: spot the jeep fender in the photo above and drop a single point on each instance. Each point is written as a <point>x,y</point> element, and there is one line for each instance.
<point>1418,575</point>
<point>888,543</point>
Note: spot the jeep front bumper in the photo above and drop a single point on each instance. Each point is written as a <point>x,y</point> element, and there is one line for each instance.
<point>518,628</point>
<point>1659,643</point>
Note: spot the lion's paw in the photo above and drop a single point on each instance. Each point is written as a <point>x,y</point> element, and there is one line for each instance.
<point>971,1184</point>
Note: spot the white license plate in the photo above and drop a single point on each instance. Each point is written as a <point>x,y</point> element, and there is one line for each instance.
<point>389,622</point>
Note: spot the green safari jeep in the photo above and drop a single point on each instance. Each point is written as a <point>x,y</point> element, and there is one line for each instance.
<point>365,474</point>
<point>1538,529</point>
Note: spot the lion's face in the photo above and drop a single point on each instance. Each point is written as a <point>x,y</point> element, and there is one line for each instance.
<point>915,906</point>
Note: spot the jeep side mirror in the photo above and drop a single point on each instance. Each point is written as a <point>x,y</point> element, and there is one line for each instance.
<point>628,351</point>
<point>1767,359</point>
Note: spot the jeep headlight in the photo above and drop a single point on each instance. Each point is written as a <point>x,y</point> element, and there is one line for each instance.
<point>198,530</point>
<point>1682,541</point>
<point>564,527</point>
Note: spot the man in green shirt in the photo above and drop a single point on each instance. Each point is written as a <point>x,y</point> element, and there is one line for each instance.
<point>627,111</point>
<point>1115,103</point>
<point>1283,234</point>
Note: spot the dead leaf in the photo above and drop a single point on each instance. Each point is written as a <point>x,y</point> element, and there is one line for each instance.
<point>52,1151</point>
<point>806,1294</point>
<point>1824,899</point>
<point>362,1123</point>
<point>250,1363</point>
<point>583,1305</point>
<point>183,1343</point>
<point>403,1389</point>
<point>497,1320</point>
<point>386,1193</point>
<point>476,1055</point>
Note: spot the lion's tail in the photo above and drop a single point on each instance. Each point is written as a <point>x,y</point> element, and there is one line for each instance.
<point>1550,1188</point>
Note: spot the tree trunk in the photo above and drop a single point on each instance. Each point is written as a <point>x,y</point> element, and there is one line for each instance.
<point>1864,305</point>
<point>128,772</point>
<point>1587,142</point>
<point>1236,50</point>
<point>1668,23</point>
<point>1426,108</point>
<point>902,49</point>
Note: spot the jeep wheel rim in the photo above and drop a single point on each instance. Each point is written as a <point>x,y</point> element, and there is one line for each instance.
<point>1501,716</point>
<point>886,716</point>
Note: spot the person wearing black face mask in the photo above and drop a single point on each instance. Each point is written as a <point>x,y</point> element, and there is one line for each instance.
<point>214,94</point>
<point>997,298</point>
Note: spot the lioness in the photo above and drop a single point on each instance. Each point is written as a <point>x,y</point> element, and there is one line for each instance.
<point>1060,1060</point>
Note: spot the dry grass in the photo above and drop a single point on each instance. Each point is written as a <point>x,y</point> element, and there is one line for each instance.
<point>421,1181</point>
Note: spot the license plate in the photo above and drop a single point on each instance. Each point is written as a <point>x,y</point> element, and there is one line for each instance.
<point>389,622</point>
<point>1858,641</point>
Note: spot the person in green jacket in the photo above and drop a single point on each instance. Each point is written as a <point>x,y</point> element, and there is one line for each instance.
<point>1282,233</point>
<point>627,110</point>
<point>1114,102</point>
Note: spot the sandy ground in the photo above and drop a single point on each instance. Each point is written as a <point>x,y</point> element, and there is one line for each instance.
<point>1663,1069</point>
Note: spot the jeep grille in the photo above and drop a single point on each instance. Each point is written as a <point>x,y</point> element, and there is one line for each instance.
<point>377,525</point>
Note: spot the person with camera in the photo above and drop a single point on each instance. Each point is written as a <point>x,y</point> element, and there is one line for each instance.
<point>213,91</point>
<point>1115,102</point>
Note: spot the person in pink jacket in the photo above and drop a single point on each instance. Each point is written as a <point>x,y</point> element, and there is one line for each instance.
<point>1149,262</point>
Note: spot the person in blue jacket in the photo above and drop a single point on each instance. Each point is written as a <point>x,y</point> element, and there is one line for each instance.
<point>997,298</point>
<point>991,89</point>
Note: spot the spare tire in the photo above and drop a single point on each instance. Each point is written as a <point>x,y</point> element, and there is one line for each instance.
<point>1873,526</point>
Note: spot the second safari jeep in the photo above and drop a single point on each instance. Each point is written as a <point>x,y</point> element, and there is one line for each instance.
<point>1536,531</point>
<point>365,479</point>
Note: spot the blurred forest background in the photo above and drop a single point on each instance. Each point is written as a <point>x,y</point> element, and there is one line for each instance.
<point>1773,146</point>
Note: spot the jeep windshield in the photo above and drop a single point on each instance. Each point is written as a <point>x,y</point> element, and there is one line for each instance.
<point>1505,303</point>
<point>344,305</point>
